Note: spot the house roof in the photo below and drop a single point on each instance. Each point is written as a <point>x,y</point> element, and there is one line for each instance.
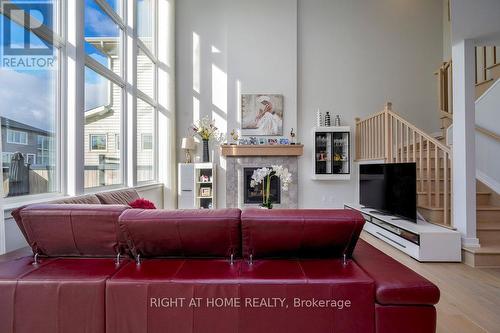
<point>6,122</point>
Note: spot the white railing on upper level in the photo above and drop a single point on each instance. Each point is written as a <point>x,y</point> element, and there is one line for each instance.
<point>387,136</point>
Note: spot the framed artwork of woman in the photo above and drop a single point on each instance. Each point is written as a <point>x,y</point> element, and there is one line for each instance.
<point>261,115</point>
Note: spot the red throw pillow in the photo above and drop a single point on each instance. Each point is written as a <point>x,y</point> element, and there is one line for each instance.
<point>142,203</point>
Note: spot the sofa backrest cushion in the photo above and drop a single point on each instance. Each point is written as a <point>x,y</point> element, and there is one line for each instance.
<point>74,230</point>
<point>182,233</point>
<point>120,197</point>
<point>88,199</point>
<point>300,233</point>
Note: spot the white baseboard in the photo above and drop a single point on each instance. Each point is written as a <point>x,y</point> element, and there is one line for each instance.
<point>471,242</point>
<point>488,181</point>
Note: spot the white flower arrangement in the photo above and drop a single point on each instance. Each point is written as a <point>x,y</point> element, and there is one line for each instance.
<point>263,176</point>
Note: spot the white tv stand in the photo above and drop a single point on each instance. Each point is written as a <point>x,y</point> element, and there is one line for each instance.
<point>422,240</point>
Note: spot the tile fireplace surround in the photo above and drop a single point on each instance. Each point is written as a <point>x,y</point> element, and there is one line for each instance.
<point>235,178</point>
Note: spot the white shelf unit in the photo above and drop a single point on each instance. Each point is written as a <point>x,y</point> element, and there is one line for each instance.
<point>197,186</point>
<point>422,241</point>
<point>331,155</point>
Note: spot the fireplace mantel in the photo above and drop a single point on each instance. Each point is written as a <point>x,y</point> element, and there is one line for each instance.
<point>262,150</point>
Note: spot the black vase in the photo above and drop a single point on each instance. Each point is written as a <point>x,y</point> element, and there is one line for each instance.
<point>206,152</point>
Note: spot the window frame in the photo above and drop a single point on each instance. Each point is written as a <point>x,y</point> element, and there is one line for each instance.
<point>92,150</point>
<point>66,145</point>
<point>152,55</point>
<point>112,77</point>
<point>14,132</point>
<point>58,39</point>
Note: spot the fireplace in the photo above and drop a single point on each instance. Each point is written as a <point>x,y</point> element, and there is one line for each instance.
<point>253,195</point>
<point>238,181</point>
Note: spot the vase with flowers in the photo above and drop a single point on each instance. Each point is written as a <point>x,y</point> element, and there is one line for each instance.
<point>264,175</point>
<point>206,130</point>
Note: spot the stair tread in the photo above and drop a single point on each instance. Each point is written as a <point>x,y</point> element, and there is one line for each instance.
<point>484,249</point>
<point>442,192</point>
<point>478,208</point>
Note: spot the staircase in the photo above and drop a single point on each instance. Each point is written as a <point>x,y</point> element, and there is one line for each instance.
<point>388,137</point>
<point>488,201</point>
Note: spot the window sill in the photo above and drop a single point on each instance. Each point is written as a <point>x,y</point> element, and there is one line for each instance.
<point>12,203</point>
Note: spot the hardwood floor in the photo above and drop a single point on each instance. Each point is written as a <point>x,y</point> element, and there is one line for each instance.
<point>470,297</point>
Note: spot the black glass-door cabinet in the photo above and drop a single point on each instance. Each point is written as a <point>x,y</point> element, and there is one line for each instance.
<point>332,153</point>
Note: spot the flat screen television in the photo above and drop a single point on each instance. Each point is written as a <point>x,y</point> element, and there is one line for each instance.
<point>389,188</point>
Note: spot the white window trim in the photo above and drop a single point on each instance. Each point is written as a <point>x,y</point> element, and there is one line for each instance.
<point>98,150</point>
<point>34,158</point>
<point>13,132</point>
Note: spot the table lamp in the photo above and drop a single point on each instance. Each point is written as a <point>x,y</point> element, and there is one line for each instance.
<point>188,144</point>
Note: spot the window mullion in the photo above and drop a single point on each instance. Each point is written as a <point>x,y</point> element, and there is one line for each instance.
<point>147,51</point>
<point>131,78</point>
<point>75,118</point>
<point>111,13</point>
<point>104,71</point>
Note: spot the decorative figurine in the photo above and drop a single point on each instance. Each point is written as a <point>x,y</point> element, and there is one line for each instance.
<point>328,121</point>
<point>292,137</point>
<point>319,119</point>
<point>337,120</point>
<point>234,136</point>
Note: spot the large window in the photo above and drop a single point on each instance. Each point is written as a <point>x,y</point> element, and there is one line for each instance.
<point>30,106</point>
<point>62,104</point>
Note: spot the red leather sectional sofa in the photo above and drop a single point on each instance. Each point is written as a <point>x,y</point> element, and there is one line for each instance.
<point>108,268</point>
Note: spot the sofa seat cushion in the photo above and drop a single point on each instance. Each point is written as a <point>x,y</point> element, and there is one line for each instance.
<point>10,273</point>
<point>176,295</point>
<point>182,233</point>
<point>16,268</point>
<point>74,230</point>
<point>394,283</point>
<point>300,233</point>
<point>119,197</point>
<point>61,295</point>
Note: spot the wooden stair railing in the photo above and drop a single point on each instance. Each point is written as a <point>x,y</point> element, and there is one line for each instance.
<point>387,136</point>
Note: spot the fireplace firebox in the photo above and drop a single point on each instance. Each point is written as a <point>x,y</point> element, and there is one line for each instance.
<point>253,195</point>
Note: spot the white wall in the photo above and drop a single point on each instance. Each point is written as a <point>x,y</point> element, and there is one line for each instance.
<point>353,57</point>
<point>348,57</point>
<point>488,168</point>
<point>245,46</point>
<point>478,20</point>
